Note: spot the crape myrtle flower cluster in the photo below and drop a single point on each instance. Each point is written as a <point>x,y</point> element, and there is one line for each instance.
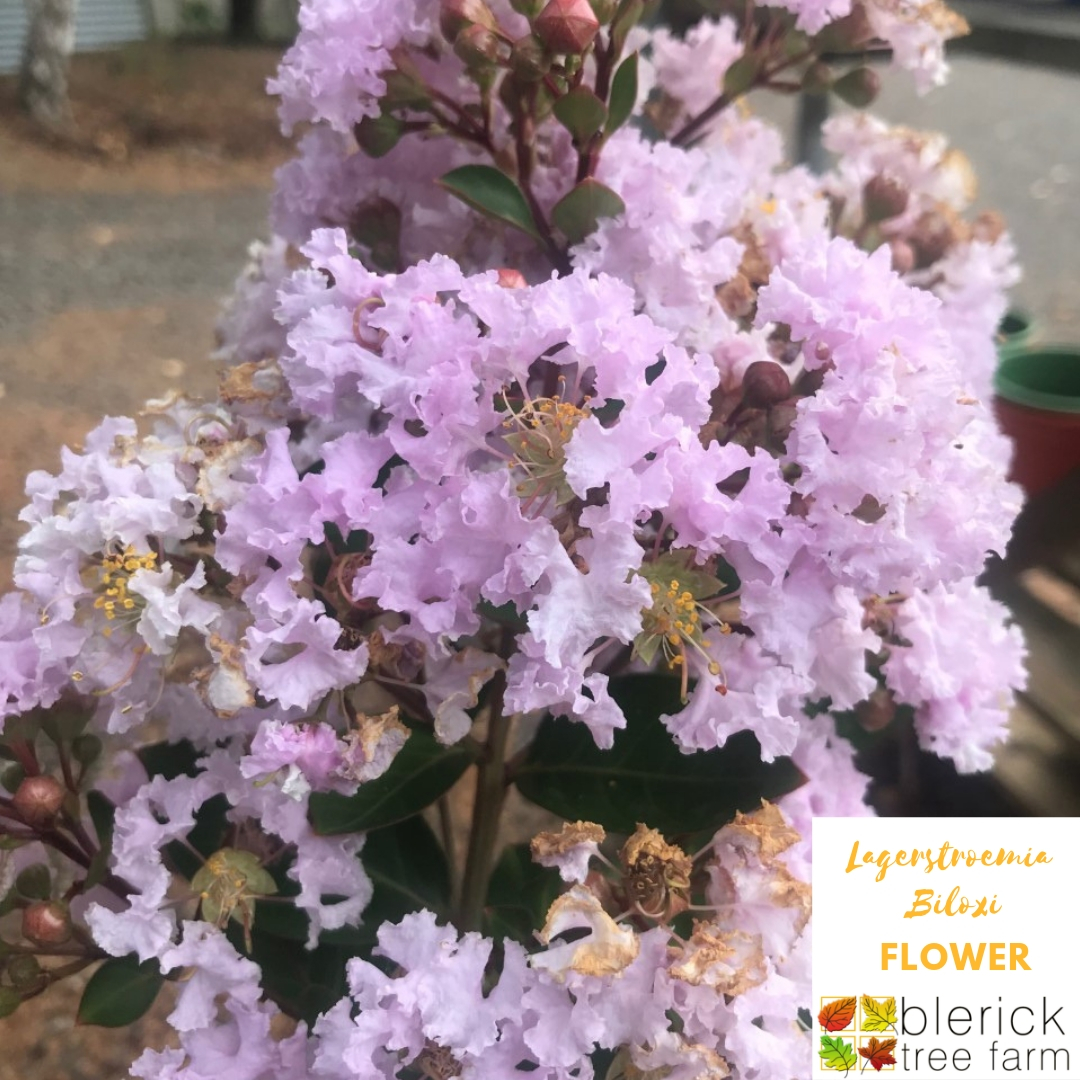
<point>560,422</point>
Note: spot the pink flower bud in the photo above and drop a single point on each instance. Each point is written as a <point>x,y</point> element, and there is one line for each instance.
<point>512,279</point>
<point>567,26</point>
<point>458,15</point>
<point>38,800</point>
<point>47,923</point>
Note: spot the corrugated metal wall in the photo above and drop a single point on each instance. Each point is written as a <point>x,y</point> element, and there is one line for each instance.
<point>100,23</point>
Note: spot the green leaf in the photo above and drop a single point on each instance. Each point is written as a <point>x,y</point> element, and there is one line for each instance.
<point>624,91</point>
<point>644,776</point>
<point>519,895</point>
<point>836,1053</point>
<point>581,112</point>
<point>578,213</point>
<point>169,759</point>
<point>493,193</point>
<point>119,992</point>
<point>422,771</point>
<point>406,865</point>
<point>303,983</point>
<point>35,882</point>
<point>741,76</point>
<point>102,814</point>
<point>626,18</point>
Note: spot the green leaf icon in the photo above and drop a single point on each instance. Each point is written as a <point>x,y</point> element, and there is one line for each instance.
<point>836,1053</point>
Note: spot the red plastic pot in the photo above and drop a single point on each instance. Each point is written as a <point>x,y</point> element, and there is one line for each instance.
<point>1037,404</point>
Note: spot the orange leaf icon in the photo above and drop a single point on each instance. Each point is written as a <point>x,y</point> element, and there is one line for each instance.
<point>836,1015</point>
<point>879,1052</point>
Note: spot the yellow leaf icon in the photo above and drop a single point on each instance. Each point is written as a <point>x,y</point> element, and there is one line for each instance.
<point>878,1014</point>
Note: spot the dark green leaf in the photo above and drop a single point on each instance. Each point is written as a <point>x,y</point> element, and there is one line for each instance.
<point>422,771</point>
<point>581,112</point>
<point>303,983</point>
<point>627,15</point>
<point>519,895</point>
<point>624,90</point>
<point>102,814</point>
<point>119,992</point>
<point>406,865</point>
<point>169,759</point>
<point>493,193</point>
<point>741,76</point>
<point>645,777</point>
<point>578,213</point>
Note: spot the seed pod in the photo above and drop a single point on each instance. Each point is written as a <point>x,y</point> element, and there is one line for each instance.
<point>884,198</point>
<point>765,384</point>
<point>38,800</point>
<point>567,26</point>
<point>477,46</point>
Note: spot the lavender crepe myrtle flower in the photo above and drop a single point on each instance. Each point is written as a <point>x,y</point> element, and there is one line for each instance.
<point>563,432</point>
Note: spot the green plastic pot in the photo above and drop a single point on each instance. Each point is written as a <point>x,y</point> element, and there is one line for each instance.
<point>1037,403</point>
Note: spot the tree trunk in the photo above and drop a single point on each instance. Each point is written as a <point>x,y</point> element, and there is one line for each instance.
<point>43,81</point>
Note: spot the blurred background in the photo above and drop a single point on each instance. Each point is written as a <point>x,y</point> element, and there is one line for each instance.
<point>121,231</point>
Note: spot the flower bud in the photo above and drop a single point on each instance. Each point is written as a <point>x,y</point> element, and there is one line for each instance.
<point>34,882</point>
<point>604,9</point>
<point>47,923</point>
<point>477,46</point>
<point>765,383</point>
<point>39,800</point>
<point>458,15</point>
<point>858,87</point>
<point>737,297</point>
<point>884,198</point>
<point>24,971</point>
<point>512,279</point>
<point>567,26</point>
<point>529,60</point>
<point>818,78</point>
<point>931,238</point>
